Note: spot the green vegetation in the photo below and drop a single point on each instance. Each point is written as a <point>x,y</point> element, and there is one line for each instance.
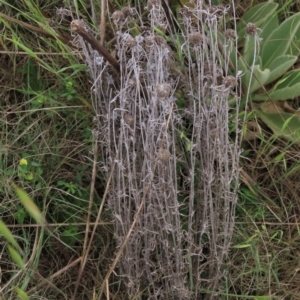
<point>149,152</point>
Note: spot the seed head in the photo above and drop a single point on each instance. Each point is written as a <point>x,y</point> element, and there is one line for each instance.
<point>229,81</point>
<point>151,40</point>
<point>132,82</point>
<point>213,9</point>
<point>230,34</point>
<point>118,17</point>
<point>222,10</point>
<point>159,40</point>
<point>196,38</point>
<point>129,119</point>
<point>152,4</point>
<point>251,29</point>
<point>128,11</point>
<point>130,41</point>
<point>163,90</point>
<point>163,154</point>
<point>185,11</point>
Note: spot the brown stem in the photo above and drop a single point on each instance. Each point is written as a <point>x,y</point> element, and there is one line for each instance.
<point>34,28</point>
<point>77,26</point>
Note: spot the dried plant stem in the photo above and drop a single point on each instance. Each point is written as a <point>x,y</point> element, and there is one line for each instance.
<point>52,277</point>
<point>102,22</point>
<point>136,217</point>
<point>77,26</point>
<point>85,255</point>
<point>87,229</point>
<point>34,28</point>
<point>173,190</point>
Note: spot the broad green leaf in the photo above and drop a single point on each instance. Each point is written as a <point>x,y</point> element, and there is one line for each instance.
<point>295,44</point>
<point>249,52</point>
<point>280,65</point>
<point>8,235</point>
<point>288,87</point>
<point>258,15</point>
<point>16,257</point>
<point>268,27</point>
<point>29,205</point>
<point>282,124</point>
<point>258,78</point>
<point>280,40</point>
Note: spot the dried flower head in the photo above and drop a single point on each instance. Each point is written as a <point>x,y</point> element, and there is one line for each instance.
<point>76,24</point>
<point>129,119</point>
<point>222,10</point>
<point>128,11</point>
<point>118,17</point>
<point>213,9</point>
<point>159,40</point>
<point>151,4</point>
<point>63,12</point>
<point>221,7</point>
<point>163,154</point>
<point>145,30</point>
<point>219,79</point>
<point>51,23</point>
<point>130,41</point>
<point>162,26</point>
<point>230,34</point>
<point>185,12</point>
<point>131,82</point>
<point>149,40</point>
<point>229,81</point>
<point>196,38</point>
<point>251,29</point>
<point>163,90</point>
<point>152,40</point>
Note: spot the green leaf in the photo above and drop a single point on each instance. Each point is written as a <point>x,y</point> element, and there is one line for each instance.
<point>280,40</point>
<point>258,79</point>
<point>295,44</point>
<point>280,65</point>
<point>284,124</point>
<point>268,27</point>
<point>76,67</point>
<point>16,257</point>
<point>288,87</point>
<point>20,214</point>
<point>258,15</point>
<point>249,49</point>
<point>29,205</point>
<point>241,246</point>
<point>8,235</point>
<point>21,293</point>
<point>23,47</point>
